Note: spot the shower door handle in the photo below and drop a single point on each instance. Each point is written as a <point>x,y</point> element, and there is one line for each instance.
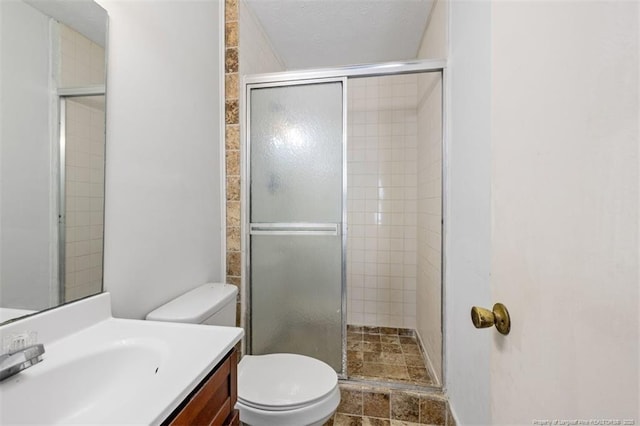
<point>295,229</point>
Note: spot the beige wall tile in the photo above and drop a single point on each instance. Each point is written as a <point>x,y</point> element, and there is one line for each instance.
<point>232,137</point>
<point>233,263</point>
<point>231,10</point>
<point>233,239</point>
<point>231,60</point>
<point>233,214</point>
<point>231,112</point>
<point>234,280</point>
<point>233,188</point>
<point>231,34</point>
<point>231,90</point>
<point>233,163</point>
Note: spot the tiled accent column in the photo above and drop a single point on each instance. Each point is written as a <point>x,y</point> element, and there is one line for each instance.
<point>232,145</point>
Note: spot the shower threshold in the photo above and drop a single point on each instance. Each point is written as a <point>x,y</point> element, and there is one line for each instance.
<point>386,354</point>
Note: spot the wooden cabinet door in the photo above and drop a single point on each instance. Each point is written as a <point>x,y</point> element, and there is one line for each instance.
<point>213,401</point>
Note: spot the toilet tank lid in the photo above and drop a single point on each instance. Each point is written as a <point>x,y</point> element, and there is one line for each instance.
<point>196,305</point>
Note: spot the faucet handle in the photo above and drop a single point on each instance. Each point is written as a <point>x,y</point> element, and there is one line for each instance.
<point>13,362</point>
<point>31,352</point>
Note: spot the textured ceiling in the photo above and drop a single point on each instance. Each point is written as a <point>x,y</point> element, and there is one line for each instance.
<point>321,33</point>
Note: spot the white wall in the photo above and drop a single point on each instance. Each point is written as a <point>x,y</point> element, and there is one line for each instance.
<point>434,44</point>
<point>25,158</point>
<point>163,196</point>
<point>554,86</point>
<point>468,220</point>
<point>256,53</point>
<point>565,132</point>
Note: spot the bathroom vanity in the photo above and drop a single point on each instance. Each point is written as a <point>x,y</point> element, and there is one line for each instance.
<point>97,369</point>
<point>213,401</point>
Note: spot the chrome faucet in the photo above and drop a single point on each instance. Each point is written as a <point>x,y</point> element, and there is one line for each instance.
<point>15,361</point>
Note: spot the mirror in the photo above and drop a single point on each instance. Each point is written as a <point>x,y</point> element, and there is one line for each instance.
<point>52,134</point>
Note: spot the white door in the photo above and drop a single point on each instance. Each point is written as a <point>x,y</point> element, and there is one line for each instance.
<point>564,191</point>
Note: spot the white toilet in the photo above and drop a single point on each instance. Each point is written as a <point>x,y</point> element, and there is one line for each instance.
<point>274,389</point>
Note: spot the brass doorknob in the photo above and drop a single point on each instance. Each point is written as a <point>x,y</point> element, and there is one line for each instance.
<point>483,318</point>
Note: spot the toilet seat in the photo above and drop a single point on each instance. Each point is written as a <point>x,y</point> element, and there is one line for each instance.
<point>315,414</point>
<point>283,382</point>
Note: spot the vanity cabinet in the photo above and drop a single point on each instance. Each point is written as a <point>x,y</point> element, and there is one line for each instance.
<point>213,400</point>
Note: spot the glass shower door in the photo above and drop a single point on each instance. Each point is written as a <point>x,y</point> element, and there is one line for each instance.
<point>296,166</point>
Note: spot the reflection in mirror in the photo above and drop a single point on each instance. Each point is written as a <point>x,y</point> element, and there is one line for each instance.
<point>51,152</point>
<point>83,196</point>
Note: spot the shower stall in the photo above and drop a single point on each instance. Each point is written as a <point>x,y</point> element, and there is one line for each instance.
<point>343,219</point>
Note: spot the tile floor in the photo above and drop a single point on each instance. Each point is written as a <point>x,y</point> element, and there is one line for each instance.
<point>368,406</point>
<point>385,354</point>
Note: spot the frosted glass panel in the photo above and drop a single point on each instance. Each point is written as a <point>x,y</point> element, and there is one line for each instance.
<point>296,296</point>
<point>296,153</point>
<point>296,169</point>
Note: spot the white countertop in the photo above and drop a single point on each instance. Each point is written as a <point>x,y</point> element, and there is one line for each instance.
<point>107,370</point>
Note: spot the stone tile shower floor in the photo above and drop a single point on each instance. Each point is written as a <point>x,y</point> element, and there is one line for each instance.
<point>385,354</point>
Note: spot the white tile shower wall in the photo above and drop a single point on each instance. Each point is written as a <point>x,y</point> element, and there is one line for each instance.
<point>84,199</point>
<point>382,201</point>
<point>82,61</point>
<point>428,320</point>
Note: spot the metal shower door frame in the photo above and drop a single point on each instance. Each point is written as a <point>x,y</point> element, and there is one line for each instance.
<point>364,70</point>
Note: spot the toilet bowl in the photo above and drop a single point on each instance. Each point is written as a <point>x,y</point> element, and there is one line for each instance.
<point>273,390</point>
<point>286,390</point>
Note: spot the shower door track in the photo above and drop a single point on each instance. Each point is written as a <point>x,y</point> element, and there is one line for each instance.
<point>288,78</point>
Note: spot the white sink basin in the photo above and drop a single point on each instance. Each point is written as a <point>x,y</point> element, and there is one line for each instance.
<point>115,372</point>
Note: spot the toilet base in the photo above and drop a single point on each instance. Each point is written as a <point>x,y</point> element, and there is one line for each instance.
<point>315,414</point>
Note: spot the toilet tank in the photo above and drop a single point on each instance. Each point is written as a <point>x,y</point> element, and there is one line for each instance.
<point>211,303</point>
